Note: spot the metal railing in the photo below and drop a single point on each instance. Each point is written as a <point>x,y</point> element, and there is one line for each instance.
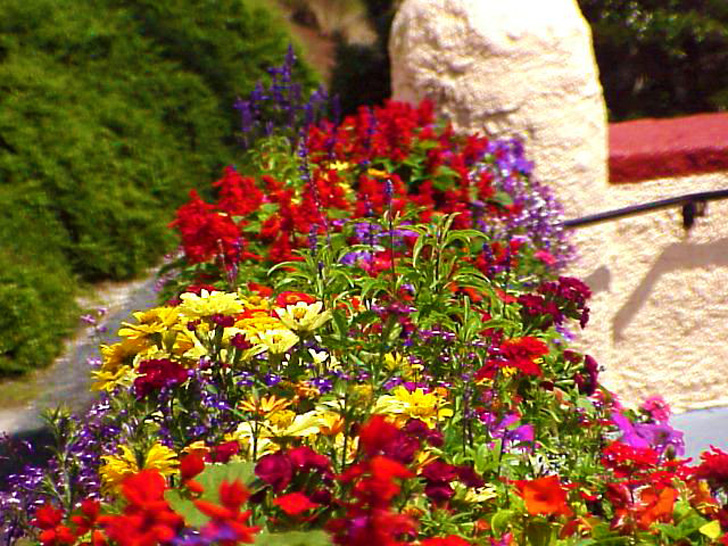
<point>693,205</point>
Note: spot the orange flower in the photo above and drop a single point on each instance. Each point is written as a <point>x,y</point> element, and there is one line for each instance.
<point>544,496</point>
<point>659,506</point>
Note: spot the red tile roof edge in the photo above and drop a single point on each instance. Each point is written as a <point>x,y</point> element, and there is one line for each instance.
<point>646,149</point>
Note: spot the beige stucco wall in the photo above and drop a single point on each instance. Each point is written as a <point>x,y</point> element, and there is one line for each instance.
<point>665,326</point>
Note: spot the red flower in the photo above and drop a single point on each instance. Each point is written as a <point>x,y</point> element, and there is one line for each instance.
<point>295,503</point>
<point>519,353</point>
<point>239,196</point>
<point>157,373</point>
<point>544,496</point>
<point>147,518</point>
<point>53,532</point>
<point>376,434</point>
<point>226,519</point>
<point>86,520</point>
<point>222,453</point>
<point>292,298</point>
<point>714,467</point>
<point>191,465</point>
<point>275,469</point>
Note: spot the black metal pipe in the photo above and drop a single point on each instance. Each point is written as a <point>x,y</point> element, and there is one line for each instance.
<point>700,197</point>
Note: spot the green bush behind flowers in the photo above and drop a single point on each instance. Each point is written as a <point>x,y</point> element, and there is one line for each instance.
<point>110,111</point>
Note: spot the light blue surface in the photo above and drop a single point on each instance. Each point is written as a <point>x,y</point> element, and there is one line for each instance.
<point>703,428</point>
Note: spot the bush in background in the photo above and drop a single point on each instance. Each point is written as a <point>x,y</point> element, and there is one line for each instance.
<point>660,58</point>
<point>109,113</point>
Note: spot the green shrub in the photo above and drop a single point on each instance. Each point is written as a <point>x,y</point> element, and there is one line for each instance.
<point>660,58</point>
<point>37,308</point>
<point>110,112</point>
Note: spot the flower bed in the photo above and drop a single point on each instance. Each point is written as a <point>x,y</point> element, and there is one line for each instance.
<point>365,339</point>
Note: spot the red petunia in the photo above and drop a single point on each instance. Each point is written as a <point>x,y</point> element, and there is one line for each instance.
<point>544,496</point>
<point>295,503</point>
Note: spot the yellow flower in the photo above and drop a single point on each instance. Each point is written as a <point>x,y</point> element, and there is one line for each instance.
<point>265,406</point>
<point>153,321</point>
<point>118,467</point>
<point>122,353</point>
<point>281,420</point>
<point>246,434</point>
<point>197,447</point>
<point>339,165</point>
<point>376,173</point>
<point>394,361</point>
<point>255,301</point>
<point>209,303</point>
<point>481,494</point>
<point>304,317</point>
<point>404,405</point>
<point>117,362</point>
<point>277,341</point>
<point>109,380</point>
<point>188,345</point>
<point>259,320</point>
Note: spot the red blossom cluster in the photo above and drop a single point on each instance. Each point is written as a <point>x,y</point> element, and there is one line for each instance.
<point>289,212</point>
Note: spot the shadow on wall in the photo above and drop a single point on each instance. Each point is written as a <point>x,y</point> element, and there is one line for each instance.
<point>600,280</point>
<point>677,256</point>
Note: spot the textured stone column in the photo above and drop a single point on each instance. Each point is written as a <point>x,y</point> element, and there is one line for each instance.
<point>521,68</point>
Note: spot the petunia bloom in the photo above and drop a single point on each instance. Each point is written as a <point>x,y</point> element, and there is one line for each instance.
<point>544,496</point>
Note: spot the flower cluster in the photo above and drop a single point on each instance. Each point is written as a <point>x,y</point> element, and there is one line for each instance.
<point>380,358</point>
<point>391,159</point>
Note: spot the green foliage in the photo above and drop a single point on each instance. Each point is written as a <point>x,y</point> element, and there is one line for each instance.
<point>110,112</point>
<point>294,538</point>
<point>660,57</point>
<point>210,480</point>
<point>36,295</point>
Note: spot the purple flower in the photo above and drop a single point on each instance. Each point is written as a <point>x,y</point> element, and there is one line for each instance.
<point>658,436</point>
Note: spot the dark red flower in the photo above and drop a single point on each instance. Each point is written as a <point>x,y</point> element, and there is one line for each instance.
<point>275,469</point>
<point>305,459</point>
<point>157,373</point>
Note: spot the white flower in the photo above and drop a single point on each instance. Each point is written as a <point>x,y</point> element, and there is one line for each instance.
<point>277,341</point>
<point>304,317</point>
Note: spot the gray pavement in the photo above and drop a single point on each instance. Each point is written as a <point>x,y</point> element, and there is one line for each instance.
<point>703,428</point>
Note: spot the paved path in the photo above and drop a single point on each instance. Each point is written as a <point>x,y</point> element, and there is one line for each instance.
<point>703,428</point>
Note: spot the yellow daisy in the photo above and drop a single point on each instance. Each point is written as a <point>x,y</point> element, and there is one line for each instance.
<point>209,303</point>
<point>403,405</point>
<point>118,467</point>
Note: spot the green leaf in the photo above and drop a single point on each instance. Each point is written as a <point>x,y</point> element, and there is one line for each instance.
<point>210,479</point>
<point>539,533</point>
<point>500,520</point>
<point>294,538</point>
